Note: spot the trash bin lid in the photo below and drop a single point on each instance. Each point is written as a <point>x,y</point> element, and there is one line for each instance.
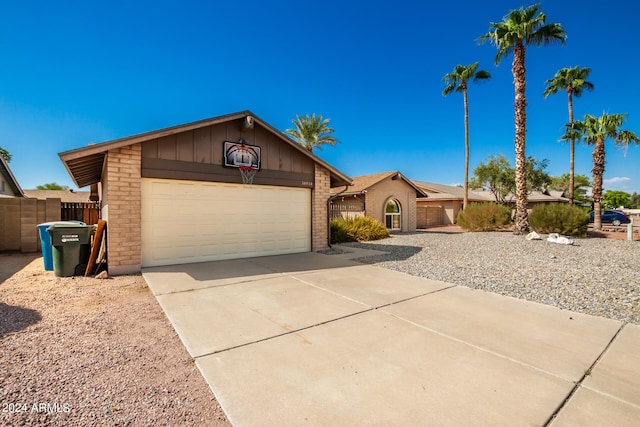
<point>67,225</point>
<point>70,233</point>
<point>64,223</point>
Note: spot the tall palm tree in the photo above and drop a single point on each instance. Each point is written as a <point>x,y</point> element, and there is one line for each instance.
<point>311,131</point>
<point>518,29</point>
<point>595,131</point>
<point>458,81</point>
<point>574,82</point>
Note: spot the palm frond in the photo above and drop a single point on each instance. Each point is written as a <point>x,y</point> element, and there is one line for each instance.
<point>311,131</point>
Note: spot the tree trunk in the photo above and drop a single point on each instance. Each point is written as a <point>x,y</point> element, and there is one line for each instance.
<point>598,173</point>
<point>465,200</point>
<point>571,147</point>
<point>519,81</point>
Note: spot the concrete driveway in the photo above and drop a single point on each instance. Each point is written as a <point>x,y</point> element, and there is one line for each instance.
<point>322,340</point>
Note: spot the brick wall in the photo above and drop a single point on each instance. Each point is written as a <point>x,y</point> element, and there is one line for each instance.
<point>122,210</point>
<point>319,213</point>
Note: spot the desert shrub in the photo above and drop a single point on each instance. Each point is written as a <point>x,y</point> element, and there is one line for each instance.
<point>359,229</point>
<point>484,217</point>
<point>559,218</point>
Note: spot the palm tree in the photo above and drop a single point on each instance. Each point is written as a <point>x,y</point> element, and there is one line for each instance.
<point>595,131</point>
<point>518,29</point>
<point>311,131</point>
<point>574,82</point>
<point>457,80</point>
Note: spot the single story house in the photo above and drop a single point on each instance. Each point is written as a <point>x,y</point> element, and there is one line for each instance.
<point>65,196</point>
<point>176,195</point>
<point>9,186</point>
<point>389,197</point>
<point>443,202</point>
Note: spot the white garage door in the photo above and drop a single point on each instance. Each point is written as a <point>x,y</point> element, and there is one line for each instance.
<point>190,221</point>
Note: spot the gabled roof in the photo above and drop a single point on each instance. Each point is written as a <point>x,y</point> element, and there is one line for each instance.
<point>85,164</point>
<point>539,196</point>
<point>363,183</point>
<point>449,192</point>
<point>8,176</point>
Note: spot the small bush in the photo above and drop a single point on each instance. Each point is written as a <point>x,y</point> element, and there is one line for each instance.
<point>559,218</point>
<point>359,229</point>
<point>484,217</point>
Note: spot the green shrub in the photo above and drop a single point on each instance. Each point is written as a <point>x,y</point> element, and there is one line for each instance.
<point>484,217</point>
<point>359,229</point>
<point>559,218</point>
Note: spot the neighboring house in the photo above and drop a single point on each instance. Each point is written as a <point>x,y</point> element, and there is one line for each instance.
<point>176,196</point>
<point>9,186</point>
<point>65,196</point>
<point>444,202</point>
<point>389,197</point>
<point>19,214</point>
<point>538,197</point>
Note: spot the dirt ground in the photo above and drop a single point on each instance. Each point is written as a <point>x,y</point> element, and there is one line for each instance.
<point>83,351</point>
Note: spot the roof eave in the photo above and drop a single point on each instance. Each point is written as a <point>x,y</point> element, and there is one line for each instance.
<point>97,151</point>
<point>13,182</point>
<point>411,183</point>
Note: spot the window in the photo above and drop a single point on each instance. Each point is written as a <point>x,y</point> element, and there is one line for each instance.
<point>392,214</point>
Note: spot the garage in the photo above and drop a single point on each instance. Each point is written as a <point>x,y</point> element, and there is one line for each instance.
<point>181,195</point>
<point>191,221</point>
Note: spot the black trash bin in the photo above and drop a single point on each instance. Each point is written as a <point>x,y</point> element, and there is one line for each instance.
<point>71,247</point>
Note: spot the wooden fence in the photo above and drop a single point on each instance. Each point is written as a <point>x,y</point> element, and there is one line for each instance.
<point>89,213</point>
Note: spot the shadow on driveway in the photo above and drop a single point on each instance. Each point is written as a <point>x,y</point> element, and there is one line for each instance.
<point>385,252</point>
<point>225,272</point>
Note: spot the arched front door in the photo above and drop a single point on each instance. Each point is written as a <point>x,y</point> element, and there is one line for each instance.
<point>393,215</point>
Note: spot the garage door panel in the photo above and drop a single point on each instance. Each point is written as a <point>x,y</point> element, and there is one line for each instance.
<point>185,221</point>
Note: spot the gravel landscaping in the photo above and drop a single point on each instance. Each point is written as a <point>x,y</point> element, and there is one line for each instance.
<point>83,352</point>
<point>595,276</point>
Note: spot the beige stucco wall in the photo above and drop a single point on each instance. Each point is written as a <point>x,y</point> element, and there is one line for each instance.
<point>379,194</point>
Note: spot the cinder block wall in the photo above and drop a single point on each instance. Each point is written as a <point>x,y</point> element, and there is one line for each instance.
<point>19,217</point>
<point>123,209</point>
<point>28,222</point>
<point>319,213</point>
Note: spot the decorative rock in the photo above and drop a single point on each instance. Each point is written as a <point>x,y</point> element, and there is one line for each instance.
<point>593,276</point>
<point>102,275</point>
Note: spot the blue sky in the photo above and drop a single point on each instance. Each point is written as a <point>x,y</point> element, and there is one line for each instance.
<point>75,72</point>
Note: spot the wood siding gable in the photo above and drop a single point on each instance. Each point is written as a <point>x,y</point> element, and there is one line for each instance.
<point>197,154</point>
